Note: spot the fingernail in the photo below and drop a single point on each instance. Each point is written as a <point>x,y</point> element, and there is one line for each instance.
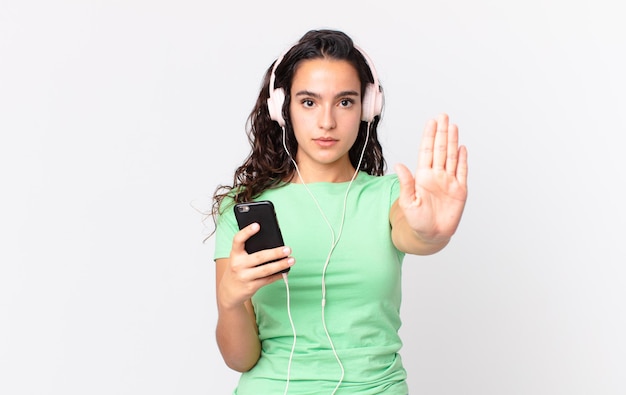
<point>287,250</point>
<point>291,261</point>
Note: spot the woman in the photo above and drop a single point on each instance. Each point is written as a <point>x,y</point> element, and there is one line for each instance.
<point>332,325</point>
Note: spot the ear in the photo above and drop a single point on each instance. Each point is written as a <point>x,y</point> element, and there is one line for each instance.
<point>275,105</point>
<point>372,103</point>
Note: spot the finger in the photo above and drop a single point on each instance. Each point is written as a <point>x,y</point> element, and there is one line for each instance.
<point>425,159</point>
<point>270,279</point>
<point>269,269</point>
<point>440,148</point>
<point>452,155</point>
<point>244,234</point>
<point>269,255</point>
<point>461,171</point>
<point>407,185</point>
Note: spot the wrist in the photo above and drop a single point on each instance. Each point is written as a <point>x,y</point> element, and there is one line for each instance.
<point>227,305</point>
<point>431,238</point>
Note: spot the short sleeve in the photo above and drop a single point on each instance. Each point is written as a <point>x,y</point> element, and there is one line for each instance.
<point>394,190</point>
<point>225,229</point>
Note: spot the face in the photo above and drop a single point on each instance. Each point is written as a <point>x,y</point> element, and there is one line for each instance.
<point>325,112</point>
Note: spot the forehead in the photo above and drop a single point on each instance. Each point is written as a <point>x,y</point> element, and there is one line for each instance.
<point>326,73</point>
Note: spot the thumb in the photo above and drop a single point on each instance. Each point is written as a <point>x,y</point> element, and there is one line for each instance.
<point>407,186</point>
<point>244,234</point>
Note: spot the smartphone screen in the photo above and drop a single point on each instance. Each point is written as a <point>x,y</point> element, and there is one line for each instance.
<point>263,213</point>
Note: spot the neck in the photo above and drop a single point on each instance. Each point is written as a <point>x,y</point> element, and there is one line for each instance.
<point>334,174</point>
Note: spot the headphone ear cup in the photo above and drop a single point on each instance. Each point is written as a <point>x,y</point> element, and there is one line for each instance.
<point>275,105</point>
<point>372,104</point>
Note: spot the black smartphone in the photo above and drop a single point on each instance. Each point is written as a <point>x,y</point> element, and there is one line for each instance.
<point>263,213</point>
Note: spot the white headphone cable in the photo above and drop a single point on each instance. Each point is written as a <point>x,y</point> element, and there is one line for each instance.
<point>334,243</point>
<point>293,329</point>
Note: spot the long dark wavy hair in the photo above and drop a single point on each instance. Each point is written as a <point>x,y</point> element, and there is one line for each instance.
<point>268,165</point>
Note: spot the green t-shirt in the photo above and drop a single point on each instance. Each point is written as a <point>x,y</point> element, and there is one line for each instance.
<point>363,292</point>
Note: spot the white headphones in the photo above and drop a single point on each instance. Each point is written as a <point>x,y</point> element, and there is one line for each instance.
<point>372,103</point>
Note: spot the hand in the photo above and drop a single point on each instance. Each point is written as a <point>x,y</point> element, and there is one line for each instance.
<point>433,201</point>
<point>243,274</point>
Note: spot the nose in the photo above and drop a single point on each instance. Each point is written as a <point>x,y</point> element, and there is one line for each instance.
<point>327,118</point>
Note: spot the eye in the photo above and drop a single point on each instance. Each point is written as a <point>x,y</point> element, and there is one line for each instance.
<point>346,103</point>
<point>308,103</point>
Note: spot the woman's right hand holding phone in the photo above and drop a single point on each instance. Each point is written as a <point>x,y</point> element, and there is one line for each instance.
<point>243,274</point>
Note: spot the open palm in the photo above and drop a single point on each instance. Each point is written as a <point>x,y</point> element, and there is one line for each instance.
<point>433,200</point>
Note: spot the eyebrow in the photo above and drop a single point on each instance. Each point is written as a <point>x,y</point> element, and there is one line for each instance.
<point>317,95</point>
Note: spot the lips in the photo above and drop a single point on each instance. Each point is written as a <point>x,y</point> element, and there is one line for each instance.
<point>325,141</point>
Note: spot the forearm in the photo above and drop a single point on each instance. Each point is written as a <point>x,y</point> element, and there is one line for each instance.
<point>237,337</point>
<point>237,278</point>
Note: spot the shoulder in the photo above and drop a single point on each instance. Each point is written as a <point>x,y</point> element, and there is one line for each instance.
<point>386,188</point>
<point>384,182</point>
<point>380,181</point>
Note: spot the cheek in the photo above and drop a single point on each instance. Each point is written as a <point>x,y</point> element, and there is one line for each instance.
<point>299,128</point>
<point>352,119</point>
<point>354,125</point>
<point>298,118</point>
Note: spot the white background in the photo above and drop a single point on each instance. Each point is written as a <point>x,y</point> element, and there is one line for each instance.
<point>119,118</point>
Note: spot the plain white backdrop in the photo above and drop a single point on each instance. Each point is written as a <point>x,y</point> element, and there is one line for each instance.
<point>119,118</point>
